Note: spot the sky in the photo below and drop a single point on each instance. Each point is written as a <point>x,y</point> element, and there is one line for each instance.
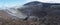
<point>9,3</point>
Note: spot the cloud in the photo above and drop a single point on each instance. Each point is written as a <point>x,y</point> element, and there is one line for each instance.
<point>46,1</point>
<point>50,1</point>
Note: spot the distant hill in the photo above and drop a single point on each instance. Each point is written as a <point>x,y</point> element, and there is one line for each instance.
<point>48,13</point>
<point>5,15</point>
<point>40,3</point>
